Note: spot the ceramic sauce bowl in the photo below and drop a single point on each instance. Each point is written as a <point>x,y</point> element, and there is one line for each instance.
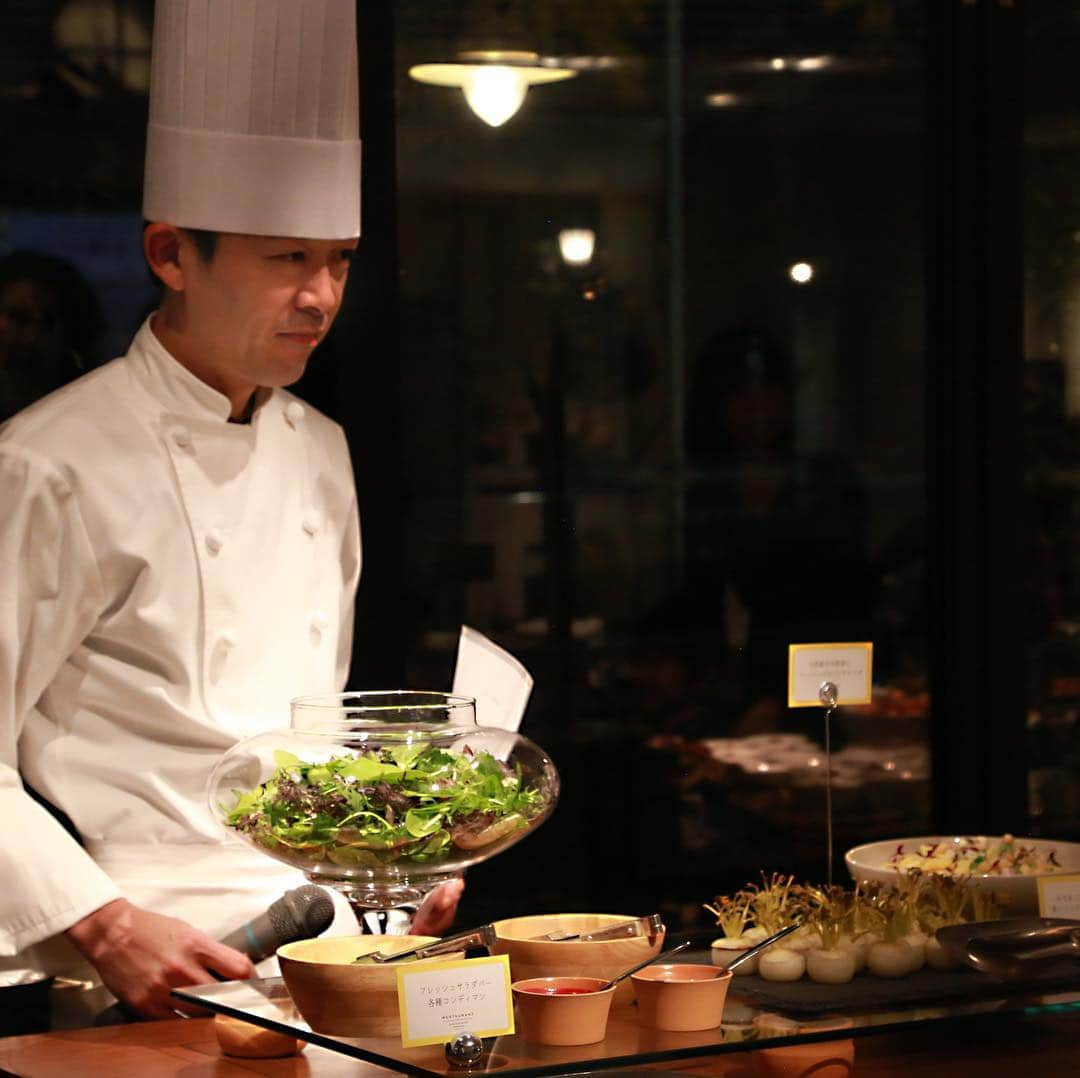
<point>680,996</point>
<point>562,1010</point>
<point>533,955</point>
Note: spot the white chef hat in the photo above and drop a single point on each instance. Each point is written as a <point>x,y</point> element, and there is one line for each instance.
<point>254,118</point>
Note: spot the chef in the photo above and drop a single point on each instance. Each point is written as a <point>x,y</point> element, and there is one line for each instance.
<point>180,538</point>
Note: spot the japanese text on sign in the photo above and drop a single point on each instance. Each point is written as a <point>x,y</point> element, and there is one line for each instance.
<point>1060,897</point>
<point>439,1000</point>
<point>848,666</point>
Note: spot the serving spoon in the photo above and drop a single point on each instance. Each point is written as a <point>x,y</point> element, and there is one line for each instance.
<point>641,965</point>
<point>759,947</point>
<point>745,956</point>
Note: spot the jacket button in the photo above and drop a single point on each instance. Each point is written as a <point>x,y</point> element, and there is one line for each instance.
<point>319,625</point>
<point>219,655</point>
<point>312,521</point>
<point>182,437</point>
<point>294,412</point>
<point>214,540</point>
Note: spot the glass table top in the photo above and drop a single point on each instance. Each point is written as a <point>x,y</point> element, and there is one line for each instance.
<point>756,1015</point>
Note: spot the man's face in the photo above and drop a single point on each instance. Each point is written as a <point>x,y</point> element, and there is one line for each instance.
<point>256,310</point>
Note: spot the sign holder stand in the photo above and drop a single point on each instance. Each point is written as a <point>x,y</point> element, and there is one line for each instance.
<point>828,675</point>
<point>827,694</point>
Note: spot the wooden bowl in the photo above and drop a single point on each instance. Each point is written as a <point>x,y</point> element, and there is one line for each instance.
<point>337,996</point>
<point>531,957</point>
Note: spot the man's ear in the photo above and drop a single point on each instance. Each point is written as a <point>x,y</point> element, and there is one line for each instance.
<point>161,246</point>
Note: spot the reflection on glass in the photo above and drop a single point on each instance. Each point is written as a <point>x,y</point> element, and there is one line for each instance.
<point>576,245</point>
<point>1051,172</point>
<point>647,474</point>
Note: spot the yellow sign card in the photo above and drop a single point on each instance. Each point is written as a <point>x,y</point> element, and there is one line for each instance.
<point>439,1000</point>
<point>1059,896</point>
<point>848,666</point>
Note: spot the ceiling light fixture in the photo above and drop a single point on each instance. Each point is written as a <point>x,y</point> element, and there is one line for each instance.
<point>576,245</point>
<point>816,62</point>
<point>494,81</point>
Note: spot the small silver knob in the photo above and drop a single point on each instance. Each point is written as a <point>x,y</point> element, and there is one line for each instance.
<point>828,693</point>
<point>465,1050</point>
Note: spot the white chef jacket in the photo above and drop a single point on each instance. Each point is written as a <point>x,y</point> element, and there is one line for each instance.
<point>170,581</point>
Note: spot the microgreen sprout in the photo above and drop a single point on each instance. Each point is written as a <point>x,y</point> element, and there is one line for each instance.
<point>984,906</point>
<point>732,913</point>
<point>770,902</point>
<point>946,898</point>
<point>831,914</point>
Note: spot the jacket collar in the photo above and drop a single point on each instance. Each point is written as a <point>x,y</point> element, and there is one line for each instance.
<point>169,382</point>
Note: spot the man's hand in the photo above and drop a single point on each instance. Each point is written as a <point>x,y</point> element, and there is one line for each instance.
<point>439,909</point>
<point>142,955</point>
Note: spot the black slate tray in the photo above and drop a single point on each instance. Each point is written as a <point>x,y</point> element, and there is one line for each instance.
<point>867,992</point>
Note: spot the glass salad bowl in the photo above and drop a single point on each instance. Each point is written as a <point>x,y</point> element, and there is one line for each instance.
<point>383,795</point>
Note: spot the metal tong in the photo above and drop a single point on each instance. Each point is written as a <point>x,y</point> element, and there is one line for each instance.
<point>484,937</point>
<point>1020,954</point>
<point>649,926</point>
<point>475,939</point>
<point>1015,947</point>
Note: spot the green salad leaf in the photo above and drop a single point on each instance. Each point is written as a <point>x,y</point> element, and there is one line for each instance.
<point>411,803</point>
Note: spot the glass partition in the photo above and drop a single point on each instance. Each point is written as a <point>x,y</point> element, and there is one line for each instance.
<point>648,468</point>
<point>644,459</point>
<point>1052,414</point>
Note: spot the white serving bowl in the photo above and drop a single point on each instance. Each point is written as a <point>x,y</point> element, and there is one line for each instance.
<point>1018,894</point>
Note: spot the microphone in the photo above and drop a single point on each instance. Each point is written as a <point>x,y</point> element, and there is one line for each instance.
<point>299,914</point>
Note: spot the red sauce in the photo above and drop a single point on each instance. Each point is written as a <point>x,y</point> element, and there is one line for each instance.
<point>559,991</point>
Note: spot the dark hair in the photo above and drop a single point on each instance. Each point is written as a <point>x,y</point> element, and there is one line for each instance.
<point>205,242</point>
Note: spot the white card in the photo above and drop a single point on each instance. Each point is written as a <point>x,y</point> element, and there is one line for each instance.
<point>848,666</point>
<point>1059,896</point>
<point>494,678</point>
<point>438,1001</point>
